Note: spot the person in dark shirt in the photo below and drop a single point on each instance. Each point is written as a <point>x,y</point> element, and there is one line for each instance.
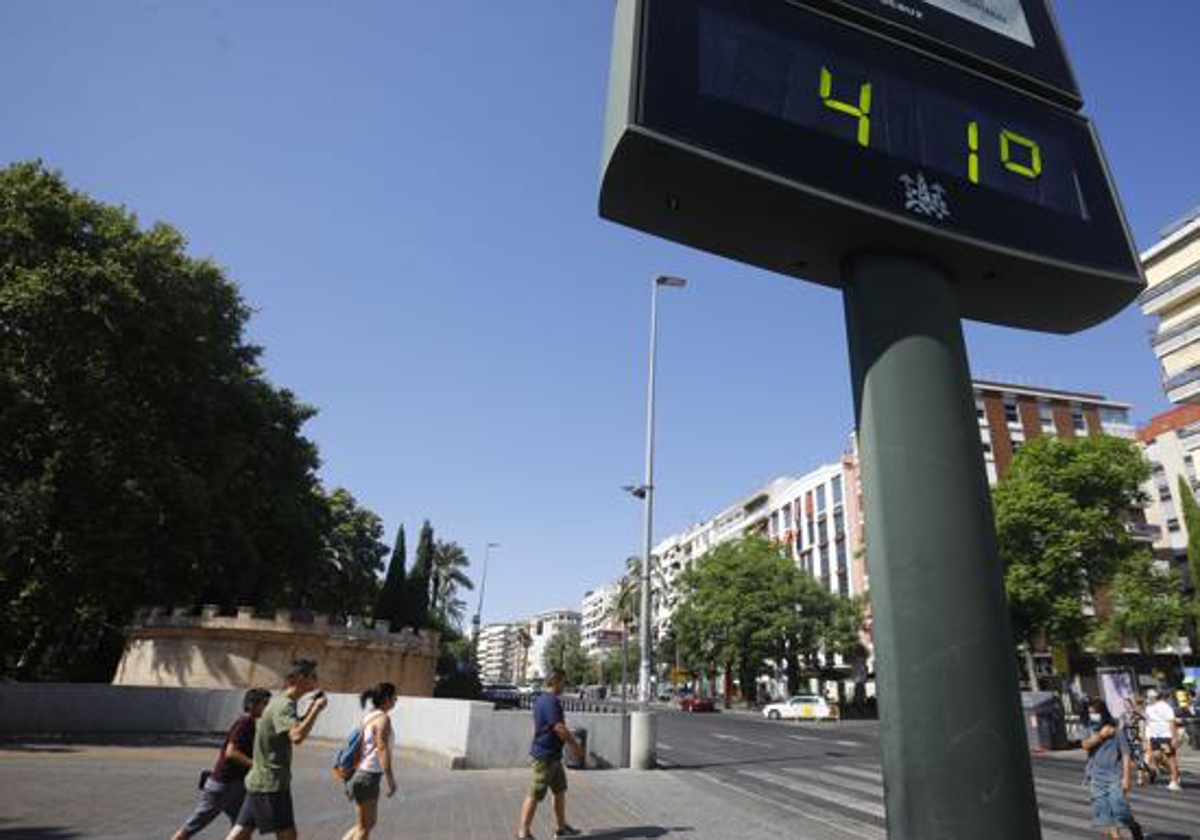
<point>549,734</point>
<point>224,789</point>
<point>1109,773</point>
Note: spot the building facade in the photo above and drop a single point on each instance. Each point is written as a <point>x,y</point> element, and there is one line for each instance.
<point>541,629</point>
<point>496,654</point>
<point>1172,295</point>
<point>1171,442</point>
<point>600,631</point>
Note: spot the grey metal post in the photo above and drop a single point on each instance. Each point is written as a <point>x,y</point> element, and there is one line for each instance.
<point>648,530</point>
<point>955,760</point>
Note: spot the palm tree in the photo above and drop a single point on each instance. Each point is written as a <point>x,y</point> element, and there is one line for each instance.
<point>624,610</point>
<point>525,641</point>
<point>449,573</point>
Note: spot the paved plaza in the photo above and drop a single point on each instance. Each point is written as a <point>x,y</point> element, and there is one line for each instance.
<point>138,788</point>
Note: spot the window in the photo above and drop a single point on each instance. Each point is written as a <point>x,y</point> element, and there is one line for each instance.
<point>987,447</point>
<point>1164,493</point>
<point>812,538</point>
<point>1077,418</point>
<point>821,498</point>
<point>1045,413</point>
<point>774,527</point>
<point>843,573</point>
<point>823,530</point>
<point>787,518</point>
<point>1016,446</point>
<point>1173,525</point>
<point>979,411</point>
<point>825,570</point>
<point>1010,410</point>
<point>839,525</point>
<point>837,490</point>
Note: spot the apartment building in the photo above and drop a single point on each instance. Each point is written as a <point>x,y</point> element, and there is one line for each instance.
<point>1009,415</point>
<point>541,629</point>
<point>496,654</point>
<point>1172,295</point>
<point>1172,445</point>
<point>600,632</point>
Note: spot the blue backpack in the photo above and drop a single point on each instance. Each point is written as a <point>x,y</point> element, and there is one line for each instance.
<point>346,758</point>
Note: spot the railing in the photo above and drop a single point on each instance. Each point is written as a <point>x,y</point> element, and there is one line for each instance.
<point>578,704</point>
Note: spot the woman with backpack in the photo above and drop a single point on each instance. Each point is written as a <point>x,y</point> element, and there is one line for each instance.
<point>374,763</point>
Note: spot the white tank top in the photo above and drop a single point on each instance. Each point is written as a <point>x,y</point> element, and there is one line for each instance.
<point>368,759</point>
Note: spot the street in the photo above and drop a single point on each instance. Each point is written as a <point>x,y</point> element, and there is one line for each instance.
<point>824,779</point>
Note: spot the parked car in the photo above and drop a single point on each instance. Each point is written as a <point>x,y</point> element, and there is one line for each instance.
<point>502,696</point>
<point>802,707</point>
<point>691,703</point>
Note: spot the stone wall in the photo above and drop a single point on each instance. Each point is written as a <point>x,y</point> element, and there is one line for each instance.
<point>205,649</point>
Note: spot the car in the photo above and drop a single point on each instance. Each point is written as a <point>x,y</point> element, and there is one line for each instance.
<point>802,707</point>
<point>691,703</point>
<point>502,696</point>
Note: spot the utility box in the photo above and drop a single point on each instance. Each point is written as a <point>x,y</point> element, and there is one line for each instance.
<point>578,762</point>
<point>1045,721</point>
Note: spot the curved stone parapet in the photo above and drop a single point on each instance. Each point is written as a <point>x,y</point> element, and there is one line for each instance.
<point>204,648</point>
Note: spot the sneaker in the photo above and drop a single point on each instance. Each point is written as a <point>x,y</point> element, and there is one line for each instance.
<point>567,831</point>
<point>1174,786</point>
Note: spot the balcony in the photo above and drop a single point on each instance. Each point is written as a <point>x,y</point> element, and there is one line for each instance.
<point>1144,531</point>
<point>1183,387</point>
<point>1158,298</point>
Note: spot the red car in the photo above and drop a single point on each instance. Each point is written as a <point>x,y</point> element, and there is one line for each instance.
<point>696,704</point>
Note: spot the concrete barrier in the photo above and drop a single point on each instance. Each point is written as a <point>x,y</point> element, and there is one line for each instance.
<point>463,733</point>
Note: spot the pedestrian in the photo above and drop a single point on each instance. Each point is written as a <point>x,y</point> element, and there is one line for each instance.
<point>374,760</point>
<point>550,732</point>
<point>1162,736</point>
<point>222,789</point>
<point>268,805</point>
<point>1109,773</point>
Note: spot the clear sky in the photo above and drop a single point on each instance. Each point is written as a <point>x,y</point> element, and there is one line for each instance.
<point>406,193</point>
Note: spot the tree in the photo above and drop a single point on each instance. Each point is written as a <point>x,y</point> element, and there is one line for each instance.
<point>146,458</point>
<point>624,610</point>
<point>1191,521</point>
<point>1145,605</point>
<point>390,606</point>
<point>346,581</point>
<point>1060,528</point>
<point>450,563</point>
<point>420,579</point>
<point>740,608</point>
<point>564,650</point>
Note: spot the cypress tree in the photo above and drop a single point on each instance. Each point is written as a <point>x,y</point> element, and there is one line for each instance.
<point>1191,521</point>
<point>421,578</point>
<point>391,606</point>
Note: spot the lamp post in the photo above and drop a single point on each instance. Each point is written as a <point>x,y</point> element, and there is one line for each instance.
<point>642,727</point>
<point>475,621</point>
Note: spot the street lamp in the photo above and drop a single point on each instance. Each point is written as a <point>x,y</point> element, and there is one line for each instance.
<point>475,621</point>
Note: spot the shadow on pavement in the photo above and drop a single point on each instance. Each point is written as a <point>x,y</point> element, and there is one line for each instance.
<point>637,832</point>
<point>75,741</point>
<point>1155,836</point>
<point>37,832</point>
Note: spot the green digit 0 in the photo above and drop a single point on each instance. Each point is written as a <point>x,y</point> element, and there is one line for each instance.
<point>862,112</point>
<point>973,155</point>
<point>1031,170</point>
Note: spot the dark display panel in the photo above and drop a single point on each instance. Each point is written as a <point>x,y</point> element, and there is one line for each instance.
<point>808,84</point>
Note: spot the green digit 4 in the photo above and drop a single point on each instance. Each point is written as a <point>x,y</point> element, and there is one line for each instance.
<point>862,111</point>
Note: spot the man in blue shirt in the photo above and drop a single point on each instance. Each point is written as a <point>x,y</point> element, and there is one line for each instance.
<point>549,734</point>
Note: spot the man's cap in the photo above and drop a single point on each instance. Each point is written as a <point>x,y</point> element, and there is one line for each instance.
<point>1152,694</point>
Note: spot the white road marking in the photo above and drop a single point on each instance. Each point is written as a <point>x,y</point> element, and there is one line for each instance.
<point>738,740</point>
<point>663,746</point>
<point>852,828</point>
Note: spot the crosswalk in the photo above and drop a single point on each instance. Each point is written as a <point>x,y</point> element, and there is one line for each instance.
<point>849,799</point>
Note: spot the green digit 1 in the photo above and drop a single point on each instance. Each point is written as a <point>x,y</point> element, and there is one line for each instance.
<point>862,111</point>
<point>973,155</point>
<point>1031,170</point>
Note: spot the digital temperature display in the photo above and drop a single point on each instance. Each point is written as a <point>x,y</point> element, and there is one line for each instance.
<point>806,83</point>
<point>790,135</point>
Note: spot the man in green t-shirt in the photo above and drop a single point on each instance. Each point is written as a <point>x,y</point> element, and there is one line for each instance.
<point>268,804</point>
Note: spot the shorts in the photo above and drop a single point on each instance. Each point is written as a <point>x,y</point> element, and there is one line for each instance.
<point>1109,805</point>
<point>268,813</point>
<point>363,786</point>
<point>215,798</point>
<point>1162,745</point>
<point>547,774</point>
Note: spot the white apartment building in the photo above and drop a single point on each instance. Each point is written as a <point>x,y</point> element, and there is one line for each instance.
<point>600,632</point>
<point>1172,269</point>
<point>542,628</point>
<point>1171,442</point>
<point>496,653</point>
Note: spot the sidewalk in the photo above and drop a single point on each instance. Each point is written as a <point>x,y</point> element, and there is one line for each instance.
<point>137,789</point>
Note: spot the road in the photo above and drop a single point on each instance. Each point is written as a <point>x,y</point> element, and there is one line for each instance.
<point>827,776</point>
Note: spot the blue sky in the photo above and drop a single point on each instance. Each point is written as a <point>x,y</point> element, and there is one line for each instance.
<point>406,193</point>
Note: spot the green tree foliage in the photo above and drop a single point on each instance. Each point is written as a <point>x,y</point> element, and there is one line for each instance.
<point>1145,605</point>
<point>1191,521</point>
<point>390,605</point>
<point>418,591</point>
<point>1060,527</point>
<point>146,458</point>
<point>565,650</point>
<point>745,603</point>
<point>346,580</point>
<point>450,564</point>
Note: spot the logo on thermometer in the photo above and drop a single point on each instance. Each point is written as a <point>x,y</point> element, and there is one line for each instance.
<point>925,198</point>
